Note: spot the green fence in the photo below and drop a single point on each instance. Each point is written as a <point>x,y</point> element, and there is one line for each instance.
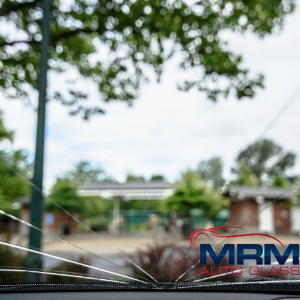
<point>199,220</point>
<point>144,220</point>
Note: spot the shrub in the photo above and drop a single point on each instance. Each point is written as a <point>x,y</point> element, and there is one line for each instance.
<point>69,268</point>
<point>165,263</point>
<point>10,260</point>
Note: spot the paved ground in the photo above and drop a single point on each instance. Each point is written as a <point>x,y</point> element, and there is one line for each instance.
<point>127,244</point>
<point>104,244</point>
<point>131,242</point>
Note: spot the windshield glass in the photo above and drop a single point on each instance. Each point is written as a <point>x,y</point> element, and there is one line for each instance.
<point>149,141</point>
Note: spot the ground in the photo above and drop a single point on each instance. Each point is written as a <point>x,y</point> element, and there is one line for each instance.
<point>106,253</point>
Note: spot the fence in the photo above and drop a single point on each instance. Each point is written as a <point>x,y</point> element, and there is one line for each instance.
<point>145,220</point>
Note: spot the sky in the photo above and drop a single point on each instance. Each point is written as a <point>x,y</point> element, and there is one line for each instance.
<point>167,131</point>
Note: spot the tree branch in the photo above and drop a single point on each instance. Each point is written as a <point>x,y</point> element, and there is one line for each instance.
<point>13,6</point>
<point>74,32</point>
<point>54,39</point>
<point>18,42</point>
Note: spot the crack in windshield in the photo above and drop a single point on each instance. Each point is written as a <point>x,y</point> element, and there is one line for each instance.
<point>125,277</point>
<point>168,219</point>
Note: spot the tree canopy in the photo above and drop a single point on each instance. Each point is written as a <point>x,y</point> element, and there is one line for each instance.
<point>64,194</point>
<point>138,35</point>
<point>64,191</point>
<point>190,192</point>
<point>212,170</point>
<point>84,172</point>
<point>264,162</point>
<point>157,177</point>
<point>133,177</point>
<point>12,186</point>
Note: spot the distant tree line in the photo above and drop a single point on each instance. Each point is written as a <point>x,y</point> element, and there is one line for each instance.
<point>261,163</point>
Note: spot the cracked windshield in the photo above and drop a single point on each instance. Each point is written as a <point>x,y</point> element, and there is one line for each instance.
<point>147,141</point>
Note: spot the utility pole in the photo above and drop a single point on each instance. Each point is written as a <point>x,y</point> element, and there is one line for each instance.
<point>32,260</point>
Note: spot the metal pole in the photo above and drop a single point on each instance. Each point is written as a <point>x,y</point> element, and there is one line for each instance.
<point>116,215</point>
<point>33,260</point>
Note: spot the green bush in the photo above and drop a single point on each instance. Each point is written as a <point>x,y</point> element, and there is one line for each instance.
<point>10,259</point>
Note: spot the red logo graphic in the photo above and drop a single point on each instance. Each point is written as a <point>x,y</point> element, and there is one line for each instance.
<point>213,231</point>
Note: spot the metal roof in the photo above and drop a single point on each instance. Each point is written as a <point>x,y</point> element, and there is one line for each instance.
<point>131,190</point>
<point>245,192</point>
<point>156,184</point>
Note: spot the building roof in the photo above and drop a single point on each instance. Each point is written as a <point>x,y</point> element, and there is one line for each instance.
<point>156,184</point>
<point>245,192</point>
<point>132,190</point>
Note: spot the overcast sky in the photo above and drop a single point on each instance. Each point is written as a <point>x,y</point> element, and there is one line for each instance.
<point>167,131</point>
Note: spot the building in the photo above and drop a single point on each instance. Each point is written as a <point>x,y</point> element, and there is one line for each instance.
<point>131,190</point>
<point>261,210</point>
<point>57,222</point>
<point>268,210</point>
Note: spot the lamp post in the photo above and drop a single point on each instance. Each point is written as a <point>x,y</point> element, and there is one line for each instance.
<point>34,260</point>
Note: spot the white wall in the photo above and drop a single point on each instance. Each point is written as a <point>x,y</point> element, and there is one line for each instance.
<point>266,218</point>
<point>295,219</point>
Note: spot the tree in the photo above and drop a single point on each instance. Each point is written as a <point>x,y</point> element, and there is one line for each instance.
<point>191,192</point>
<point>132,177</point>
<point>64,194</point>
<point>212,170</point>
<point>138,34</point>
<point>12,165</point>
<point>84,172</point>
<point>64,191</point>
<point>264,161</point>
<point>158,177</point>
<point>5,134</point>
<point>280,181</point>
<point>245,176</point>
